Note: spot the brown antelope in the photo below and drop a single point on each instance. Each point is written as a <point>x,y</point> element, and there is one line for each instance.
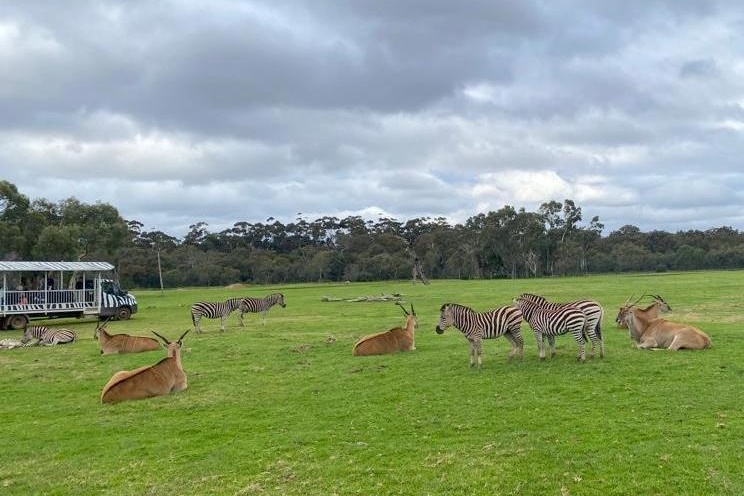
<point>652,311</point>
<point>660,333</point>
<point>123,343</point>
<point>390,341</point>
<point>155,380</point>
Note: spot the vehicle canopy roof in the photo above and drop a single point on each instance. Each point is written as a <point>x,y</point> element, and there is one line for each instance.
<point>54,266</point>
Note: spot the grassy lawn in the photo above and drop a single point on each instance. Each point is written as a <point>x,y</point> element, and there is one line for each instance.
<point>285,409</point>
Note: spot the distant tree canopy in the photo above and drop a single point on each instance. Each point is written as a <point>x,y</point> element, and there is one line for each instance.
<point>508,243</point>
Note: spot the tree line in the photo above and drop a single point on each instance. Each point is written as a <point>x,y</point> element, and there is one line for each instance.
<point>508,243</point>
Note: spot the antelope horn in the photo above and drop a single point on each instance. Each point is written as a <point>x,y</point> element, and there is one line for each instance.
<point>402,307</point>
<point>182,335</point>
<point>162,338</point>
<point>412,310</point>
<point>639,299</point>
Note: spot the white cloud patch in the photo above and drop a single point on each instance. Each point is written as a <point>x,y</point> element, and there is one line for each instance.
<point>259,109</point>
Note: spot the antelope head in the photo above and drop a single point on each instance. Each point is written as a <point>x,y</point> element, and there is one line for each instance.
<point>166,342</point>
<point>663,305</point>
<point>412,313</point>
<point>619,320</point>
<point>100,327</point>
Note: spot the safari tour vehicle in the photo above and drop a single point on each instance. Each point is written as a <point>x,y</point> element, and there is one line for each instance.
<point>43,290</point>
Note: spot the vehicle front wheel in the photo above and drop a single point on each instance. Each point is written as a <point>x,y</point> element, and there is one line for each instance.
<point>123,313</point>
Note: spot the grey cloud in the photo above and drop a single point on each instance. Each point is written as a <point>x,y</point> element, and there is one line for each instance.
<point>245,110</point>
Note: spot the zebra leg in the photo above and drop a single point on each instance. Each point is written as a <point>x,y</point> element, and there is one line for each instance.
<point>240,318</point>
<point>540,345</point>
<point>517,344</point>
<point>472,352</point>
<point>479,351</point>
<point>551,342</point>
<point>581,357</point>
<point>589,336</point>
<point>222,323</point>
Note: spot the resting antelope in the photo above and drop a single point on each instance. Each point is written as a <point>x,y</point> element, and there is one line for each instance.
<point>395,339</point>
<point>660,333</point>
<point>155,380</point>
<point>123,343</point>
<point>650,312</point>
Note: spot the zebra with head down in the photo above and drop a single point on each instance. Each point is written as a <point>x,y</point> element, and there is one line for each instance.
<point>255,305</point>
<point>214,310</point>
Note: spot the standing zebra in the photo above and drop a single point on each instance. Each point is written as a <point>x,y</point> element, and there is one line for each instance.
<point>477,326</point>
<point>48,336</point>
<point>213,310</point>
<point>592,309</point>
<point>255,305</point>
<point>548,323</point>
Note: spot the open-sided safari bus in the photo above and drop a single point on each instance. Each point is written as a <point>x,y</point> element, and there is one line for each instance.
<point>43,290</point>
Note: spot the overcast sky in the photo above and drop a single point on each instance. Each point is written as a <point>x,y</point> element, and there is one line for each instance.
<point>227,111</point>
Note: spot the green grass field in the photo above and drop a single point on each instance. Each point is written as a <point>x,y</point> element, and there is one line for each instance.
<point>285,409</point>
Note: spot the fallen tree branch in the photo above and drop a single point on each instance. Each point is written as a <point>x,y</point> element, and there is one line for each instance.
<point>370,298</point>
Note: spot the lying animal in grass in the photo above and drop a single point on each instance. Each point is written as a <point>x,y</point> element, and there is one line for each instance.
<point>160,379</point>
<point>660,333</point>
<point>9,344</point>
<point>123,343</point>
<point>652,311</point>
<point>391,341</point>
<point>48,336</point>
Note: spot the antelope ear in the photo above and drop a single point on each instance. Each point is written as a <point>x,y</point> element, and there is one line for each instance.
<point>164,340</point>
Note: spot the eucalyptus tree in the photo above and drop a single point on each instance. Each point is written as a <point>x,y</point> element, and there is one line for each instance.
<point>14,209</point>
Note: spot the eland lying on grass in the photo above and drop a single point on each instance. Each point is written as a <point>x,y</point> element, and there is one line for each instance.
<point>160,379</point>
<point>660,333</point>
<point>652,311</point>
<point>123,343</point>
<point>391,341</point>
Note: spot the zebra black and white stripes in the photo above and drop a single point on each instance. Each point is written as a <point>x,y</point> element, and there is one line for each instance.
<point>548,323</point>
<point>213,310</point>
<point>255,305</point>
<point>592,309</point>
<point>477,326</point>
<point>48,336</point>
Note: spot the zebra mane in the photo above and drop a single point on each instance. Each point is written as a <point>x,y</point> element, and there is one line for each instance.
<point>453,305</point>
<point>532,297</point>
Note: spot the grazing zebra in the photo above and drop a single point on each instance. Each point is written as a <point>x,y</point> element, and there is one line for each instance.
<point>477,326</point>
<point>549,323</point>
<point>213,310</point>
<point>48,336</point>
<point>255,305</point>
<point>592,309</point>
